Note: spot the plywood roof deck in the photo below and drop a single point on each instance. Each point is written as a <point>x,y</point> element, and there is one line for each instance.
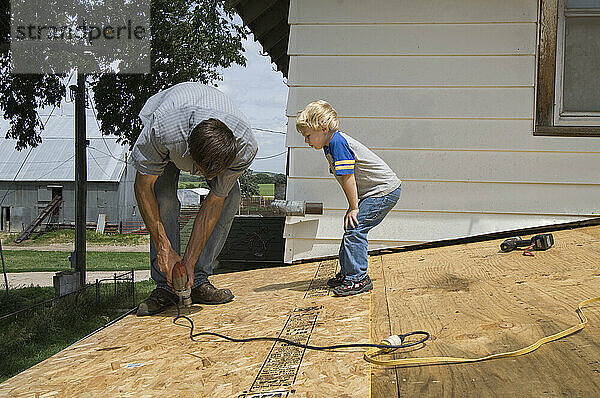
<point>473,300</point>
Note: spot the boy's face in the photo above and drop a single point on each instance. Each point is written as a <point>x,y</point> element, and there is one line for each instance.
<point>316,138</point>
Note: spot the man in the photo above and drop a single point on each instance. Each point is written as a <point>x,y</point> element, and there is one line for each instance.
<point>195,128</point>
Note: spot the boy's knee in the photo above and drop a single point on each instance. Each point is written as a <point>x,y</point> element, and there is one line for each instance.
<point>354,234</point>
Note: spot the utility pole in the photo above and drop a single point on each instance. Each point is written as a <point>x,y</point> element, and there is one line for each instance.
<point>4,269</point>
<point>80,177</point>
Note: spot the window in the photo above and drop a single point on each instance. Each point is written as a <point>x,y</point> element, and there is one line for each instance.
<point>568,92</point>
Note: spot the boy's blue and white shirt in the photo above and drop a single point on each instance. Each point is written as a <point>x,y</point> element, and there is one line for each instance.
<point>348,156</point>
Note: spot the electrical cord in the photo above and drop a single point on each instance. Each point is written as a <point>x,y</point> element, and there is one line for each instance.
<point>395,341</point>
<point>398,341</point>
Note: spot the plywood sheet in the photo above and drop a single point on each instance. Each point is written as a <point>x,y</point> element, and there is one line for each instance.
<point>153,357</point>
<point>475,301</point>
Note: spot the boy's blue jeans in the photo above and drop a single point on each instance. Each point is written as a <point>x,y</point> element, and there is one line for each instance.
<point>165,190</point>
<point>353,250</point>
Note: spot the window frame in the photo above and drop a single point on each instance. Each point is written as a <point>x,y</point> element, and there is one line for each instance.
<point>548,120</point>
<point>562,118</point>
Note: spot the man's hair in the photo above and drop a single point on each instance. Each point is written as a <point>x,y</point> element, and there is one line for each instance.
<point>316,115</point>
<point>212,146</point>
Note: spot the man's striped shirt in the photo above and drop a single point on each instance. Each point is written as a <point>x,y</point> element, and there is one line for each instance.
<point>169,117</point>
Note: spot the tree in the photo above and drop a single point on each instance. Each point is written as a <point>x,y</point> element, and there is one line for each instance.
<point>4,26</point>
<point>21,95</point>
<point>190,41</point>
<point>264,178</point>
<point>187,180</point>
<point>280,179</point>
<point>248,184</point>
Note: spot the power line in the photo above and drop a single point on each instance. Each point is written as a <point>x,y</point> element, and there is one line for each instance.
<point>45,162</point>
<point>109,155</point>
<point>272,156</point>
<point>268,131</point>
<point>44,175</point>
<point>98,164</point>
<point>96,119</point>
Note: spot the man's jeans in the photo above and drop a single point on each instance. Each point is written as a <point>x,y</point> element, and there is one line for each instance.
<point>165,190</point>
<point>353,250</point>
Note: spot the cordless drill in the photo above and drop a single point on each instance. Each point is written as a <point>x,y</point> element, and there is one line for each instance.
<point>537,242</point>
<point>180,280</point>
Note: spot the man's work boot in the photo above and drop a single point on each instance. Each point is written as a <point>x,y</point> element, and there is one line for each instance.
<point>158,300</point>
<point>206,293</point>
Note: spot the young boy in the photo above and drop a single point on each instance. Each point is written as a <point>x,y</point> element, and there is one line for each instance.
<point>371,188</point>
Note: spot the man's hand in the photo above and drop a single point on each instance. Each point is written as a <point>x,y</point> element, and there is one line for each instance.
<point>351,218</point>
<point>189,268</point>
<point>166,258</point>
<point>144,193</point>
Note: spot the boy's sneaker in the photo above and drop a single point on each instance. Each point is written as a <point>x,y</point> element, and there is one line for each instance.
<point>348,288</point>
<point>206,293</point>
<point>337,280</point>
<point>158,300</point>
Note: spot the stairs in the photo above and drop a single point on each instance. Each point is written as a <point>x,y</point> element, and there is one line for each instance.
<point>53,205</point>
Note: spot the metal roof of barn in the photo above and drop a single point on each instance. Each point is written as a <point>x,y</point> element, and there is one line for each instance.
<point>54,158</point>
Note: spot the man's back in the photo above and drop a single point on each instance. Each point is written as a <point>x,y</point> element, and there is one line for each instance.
<point>189,94</point>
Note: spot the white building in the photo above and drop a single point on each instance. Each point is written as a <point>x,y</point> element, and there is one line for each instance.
<point>192,196</point>
<point>490,127</point>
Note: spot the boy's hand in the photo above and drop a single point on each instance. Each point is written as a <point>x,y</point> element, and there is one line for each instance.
<point>348,183</point>
<point>351,218</point>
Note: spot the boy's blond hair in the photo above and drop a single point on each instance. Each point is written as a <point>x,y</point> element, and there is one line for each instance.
<point>317,114</point>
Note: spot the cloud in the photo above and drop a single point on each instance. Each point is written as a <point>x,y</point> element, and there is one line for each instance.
<point>261,94</point>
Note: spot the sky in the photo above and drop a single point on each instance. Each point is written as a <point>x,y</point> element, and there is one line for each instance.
<point>261,94</point>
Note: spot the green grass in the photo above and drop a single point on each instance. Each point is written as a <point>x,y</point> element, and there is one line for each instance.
<point>37,334</point>
<point>35,261</point>
<point>266,189</point>
<point>191,185</point>
<point>68,236</point>
<point>23,297</point>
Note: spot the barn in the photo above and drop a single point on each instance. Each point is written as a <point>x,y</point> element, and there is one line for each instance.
<point>31,178</point>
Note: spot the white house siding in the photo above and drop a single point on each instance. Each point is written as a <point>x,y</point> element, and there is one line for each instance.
<point>444,92</point>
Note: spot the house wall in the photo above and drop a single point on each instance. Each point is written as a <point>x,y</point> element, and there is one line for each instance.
<point>444,92</point>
